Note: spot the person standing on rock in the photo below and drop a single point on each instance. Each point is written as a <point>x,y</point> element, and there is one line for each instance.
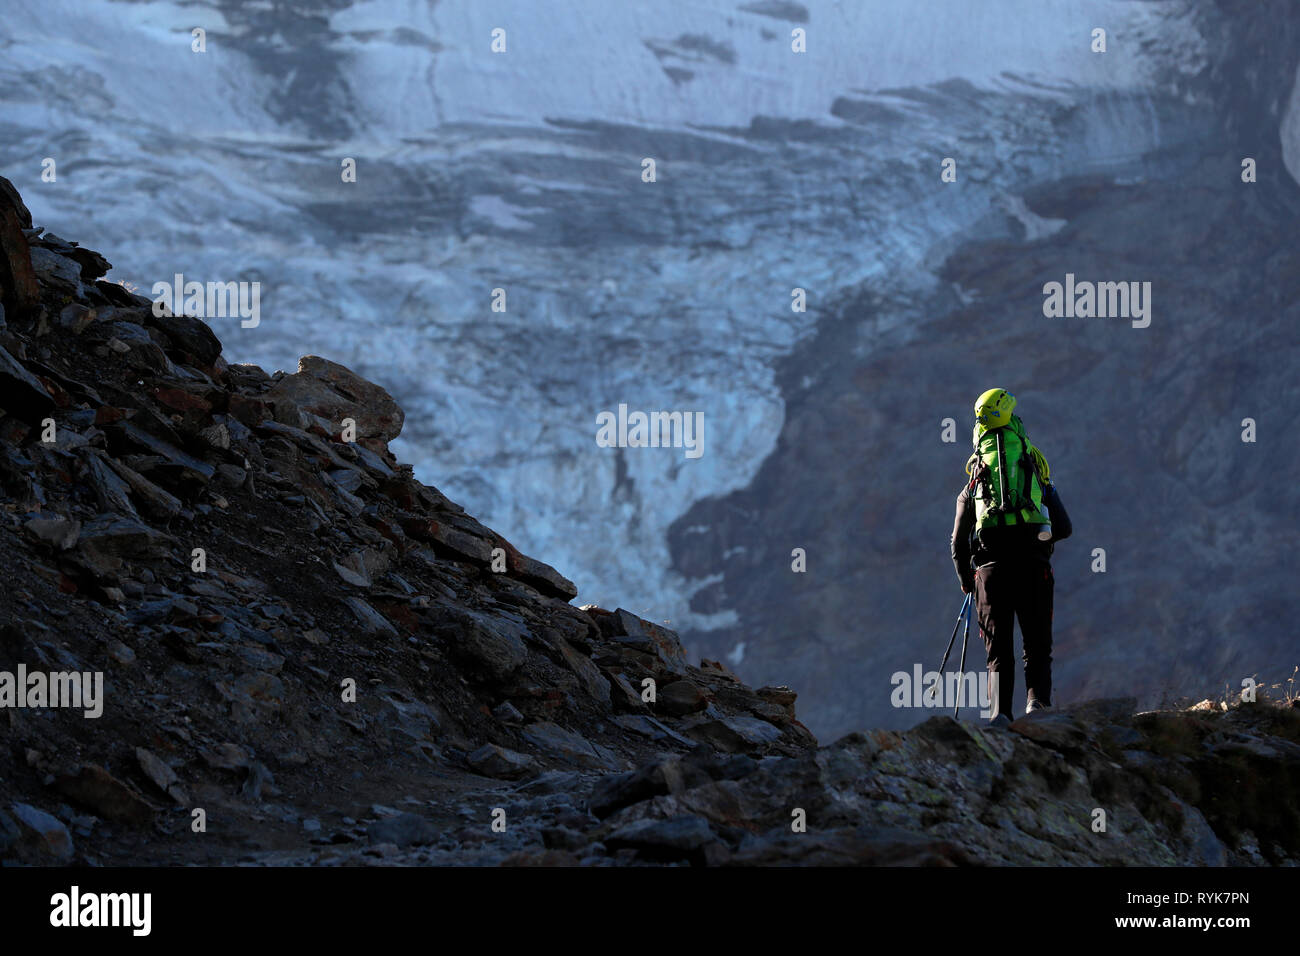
<point>1008,517</point>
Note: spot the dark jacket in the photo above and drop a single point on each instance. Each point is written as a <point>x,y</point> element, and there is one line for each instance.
<point>1011,543</point>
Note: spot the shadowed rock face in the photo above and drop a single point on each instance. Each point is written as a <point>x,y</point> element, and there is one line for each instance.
<point>1176,788</point>
<point>279,609</point>
<point>1142,427</point>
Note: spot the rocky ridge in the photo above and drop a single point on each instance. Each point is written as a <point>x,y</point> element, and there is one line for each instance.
<point>338,666</point>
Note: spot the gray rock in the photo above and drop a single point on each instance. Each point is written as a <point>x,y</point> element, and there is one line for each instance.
<point>648,726</point>
<point>448,540</point>
<point>98,790</point>
<point>676,838</point>
<point>495,644</point>
<point>21,393</point>
<point>507,713</point>
<point>227,756</point>
<point>132,342</point>
<point>232,476</point>
<point>58,271</point>
<point>344,499</point>
<point>682,697</point>
<point>535,573</point>
<point>114,535</point>
<point>58,532</point>
<point>171,608</point>
<point>362,568</point>
<point>371,621</point>
<point>402,830</point>
<point>154,500</point>
<point>76,317</point>
<point>593,681</point>
<point>734,734</point>
<point>173,459</point>
<point>191,336</point>
<point>327,389</point>
<point>162,776</point>
<point>659,777</point>
<point>41,833</point>
<point>373,462</point>
<point>349,479</point>
<point>407,716</point>
<point>216,436</point>
<point>493,761</point>
<point>650,638</point>
<point>111,491</point>
<point>571,747</point>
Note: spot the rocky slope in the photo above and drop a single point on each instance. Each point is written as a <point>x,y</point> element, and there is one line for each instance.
<point>323,560</point>
<point>351,670</point>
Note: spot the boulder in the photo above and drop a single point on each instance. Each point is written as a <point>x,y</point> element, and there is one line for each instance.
<point>21,393</point>
<point>650,638</point>
<point>20,291</point>
<point>494,645</point>
<point>676,838</point>
<point>43,837</point>
<point>448,540</point>
<point>134,344</point>
<point>682,697</point>
<point>93,265</point>
<point>735,734</point>
<point>113,535</point>
<point>190,337</point>
<point>493,761</point>
<point>371,621</point>
<point>160,774</point>
<point>174,462</point>
<point>588,673</point>
<point>536,573</point>
<point>58,532</point>
<point>333,392</point>
<point>56,271</point>
<point>361,568</point>
<point>570,747</point>
<point>659,777</point>
<point>99,791</point>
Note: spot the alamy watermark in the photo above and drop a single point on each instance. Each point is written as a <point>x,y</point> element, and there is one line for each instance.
<point>1102,300</point>
<point>72,689</point>
<point>944,691</point>
<point>651,430</point>
<point>77,909</point>
<point>216,300</point>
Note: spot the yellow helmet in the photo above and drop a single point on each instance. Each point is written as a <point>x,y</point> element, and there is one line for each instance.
<point>993,409</point>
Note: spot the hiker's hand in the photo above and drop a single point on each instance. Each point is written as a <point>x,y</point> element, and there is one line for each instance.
<point>967,586</point>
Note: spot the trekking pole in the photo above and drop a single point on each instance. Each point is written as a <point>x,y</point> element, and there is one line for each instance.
<point>964,605</point>
<point>961,677</point>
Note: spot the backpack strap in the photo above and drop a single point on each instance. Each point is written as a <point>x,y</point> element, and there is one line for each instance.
<point>1027,468</point>
<point>1002,479</point>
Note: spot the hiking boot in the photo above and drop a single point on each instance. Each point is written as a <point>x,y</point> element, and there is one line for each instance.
<point>1001,720</point>
<point>1033,704</point>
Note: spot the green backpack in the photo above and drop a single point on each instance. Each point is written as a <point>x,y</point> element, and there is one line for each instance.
<point>1007,477</point>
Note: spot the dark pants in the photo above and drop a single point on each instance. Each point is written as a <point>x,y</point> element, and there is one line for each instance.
<point>1005,591</point>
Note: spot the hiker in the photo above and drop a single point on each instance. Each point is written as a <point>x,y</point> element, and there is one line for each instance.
<point>1008,517</point>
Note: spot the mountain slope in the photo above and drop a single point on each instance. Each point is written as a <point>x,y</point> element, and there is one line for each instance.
<point>352,676</point>
<point>283,618</point>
